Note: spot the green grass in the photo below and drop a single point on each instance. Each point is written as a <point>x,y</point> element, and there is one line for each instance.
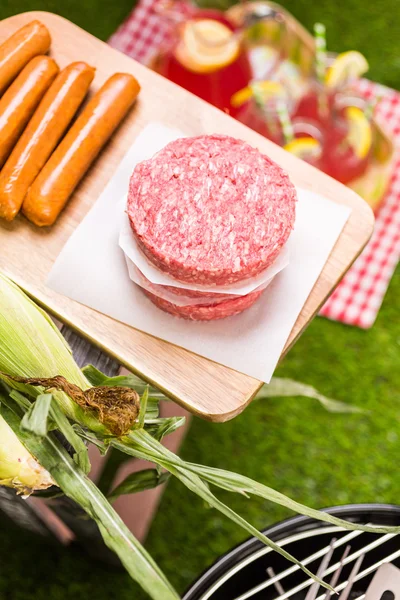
<point>100,17</point>
<point>293,444</point>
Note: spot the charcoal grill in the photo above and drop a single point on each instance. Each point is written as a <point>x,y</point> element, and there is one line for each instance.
<point>254,572</point>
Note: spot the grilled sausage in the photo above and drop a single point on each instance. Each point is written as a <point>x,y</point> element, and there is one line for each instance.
<point>19,102</point>
<point>29,41</point>
<point>42,134</point>
<point>71,159</point>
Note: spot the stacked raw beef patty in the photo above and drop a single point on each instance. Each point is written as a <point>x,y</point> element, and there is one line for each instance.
<point>210,210</point>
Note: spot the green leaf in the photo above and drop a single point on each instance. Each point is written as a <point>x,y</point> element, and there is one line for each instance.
<point>159,428</point>
<point>36,418</point>
<point>143,407</point>
<point>234,482</point>
<point>76,485</point>
<point>20,399</point>
<point>153,409</point>
<point>141,445</point>
<point>102,445</point>
<point>281,387</point>
<point>138,482</point>
<point>94,376</point>
<point>81,456</point>
<point>244,485</point>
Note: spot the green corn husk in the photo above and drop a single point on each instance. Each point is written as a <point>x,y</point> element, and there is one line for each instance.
<point>18,468</point>
<point>31,346</point>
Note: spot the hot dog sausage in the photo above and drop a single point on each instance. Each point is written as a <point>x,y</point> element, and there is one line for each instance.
<point>29,41</point>
<point>19,102</point>
<point>42,134</point>
<point>71,159</point>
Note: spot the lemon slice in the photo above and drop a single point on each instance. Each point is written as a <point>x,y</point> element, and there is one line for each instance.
<point>347,65</point>
<point>360,132</point>
<point>266,89</point>
<point>304,147</point>
<point>206,46</point>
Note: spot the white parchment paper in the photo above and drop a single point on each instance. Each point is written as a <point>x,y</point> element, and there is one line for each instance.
<point>162,291</point>
<point>92,269</point>
<point>133,252</point>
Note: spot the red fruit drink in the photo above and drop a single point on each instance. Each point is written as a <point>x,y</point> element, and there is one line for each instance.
<point>216,83</point>
<point>338,159</point>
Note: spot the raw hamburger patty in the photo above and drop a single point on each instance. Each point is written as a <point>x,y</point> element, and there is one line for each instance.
<point>206,312</point>
<point>211,209</point>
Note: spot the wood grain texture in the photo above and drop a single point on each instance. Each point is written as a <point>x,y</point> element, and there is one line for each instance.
<point>27,253</point>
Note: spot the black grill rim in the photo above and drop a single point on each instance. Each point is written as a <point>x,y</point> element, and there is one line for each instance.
<point>388,514</point>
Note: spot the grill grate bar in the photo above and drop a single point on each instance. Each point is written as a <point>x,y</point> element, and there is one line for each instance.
<point>336,574</point>
<point>366,572</point>
<point>346,592</point>
<point>313,591</point>
<point>277,584</point>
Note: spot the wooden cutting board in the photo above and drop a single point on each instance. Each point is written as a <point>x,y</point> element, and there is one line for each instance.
<point>27,253</point>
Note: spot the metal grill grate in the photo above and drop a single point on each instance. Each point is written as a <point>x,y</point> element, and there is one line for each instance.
<point>346,560</point>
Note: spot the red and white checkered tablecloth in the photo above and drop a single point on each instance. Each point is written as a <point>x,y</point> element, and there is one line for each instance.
<point>145,29</point>
<point>358,297</point>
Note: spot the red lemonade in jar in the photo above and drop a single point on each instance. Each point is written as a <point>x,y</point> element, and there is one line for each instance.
<point>348,142</point>
<point>346,129</point>
<point>207,58</point>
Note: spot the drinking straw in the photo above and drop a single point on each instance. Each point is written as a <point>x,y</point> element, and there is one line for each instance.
<point>285,121</point>
<point>262,106</point>
<point>370,107</point>
<point>258,95</point>
<point>320,51</point>
<point>320,66</point>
